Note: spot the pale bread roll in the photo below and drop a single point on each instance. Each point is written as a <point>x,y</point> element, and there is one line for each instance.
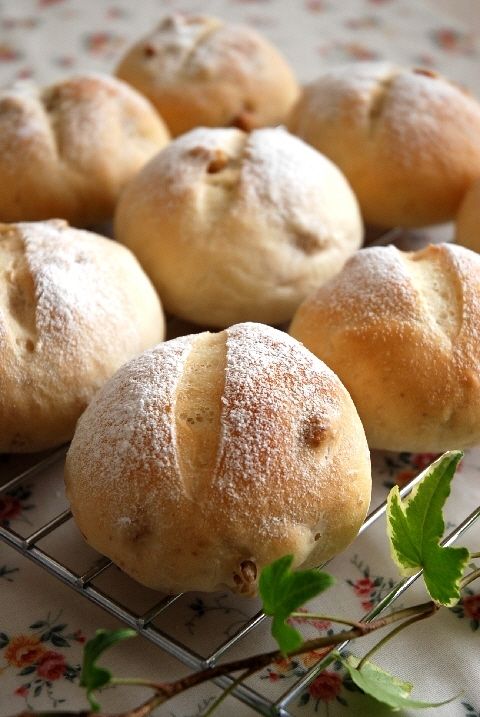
<point>67,150</point>
<point>211,455</point>
<point>467,229</point>
<point>407,140</point>
<point>238,227</point>
<point>402,331</point>
<point>74,307</point>
<point>200,71</point>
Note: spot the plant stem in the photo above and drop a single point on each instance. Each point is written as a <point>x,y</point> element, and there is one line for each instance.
<point>395,631</point>
<point>139,681</point>
<point>226,692</point>
<point>314,616</point>
<point>475,555</point>
<point>257,662</point>
<point>470,578</point>
<point>165,691</point>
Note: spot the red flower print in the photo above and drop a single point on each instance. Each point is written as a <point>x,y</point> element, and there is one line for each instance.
<point>8,53</point>
<point>78,636</point>
<point>282,664</point>
<point>273,677</point>
<point>471,606</point>
<point>326,687</point>
<point>22,691</point>
<point>311,658</point>
<point>51,665</point>
<point>364,587</point>
<point>10,507</point>
<point>422,460</point>
<point>404,477</point>
<point>359,52</point>
<point>367,605</point>
<point>315,5</point>
<point>46,3</point>
<point>23,650</point>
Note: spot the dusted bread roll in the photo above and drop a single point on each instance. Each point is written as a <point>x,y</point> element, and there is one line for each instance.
<point>68,149</point>
<point>200,71</point>
<point>402,331</point>
<point>73,308</point>
<point>468,219</point>
<point>211,455</point>
<point>234,227</point>
<point>407,140</point>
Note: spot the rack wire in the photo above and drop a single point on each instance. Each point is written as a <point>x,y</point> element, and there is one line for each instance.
<point>83,584</point>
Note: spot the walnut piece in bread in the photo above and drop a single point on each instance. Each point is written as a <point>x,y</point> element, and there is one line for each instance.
<point>201,71</point>
<point>74,307</point>
<point>67,150</point>
<point>402,331</point>
<point>211,455</point>
<point>236,227</point>
<point>407,140</point>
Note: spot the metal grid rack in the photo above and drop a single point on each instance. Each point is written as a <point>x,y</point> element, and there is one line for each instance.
<point>82,583</point>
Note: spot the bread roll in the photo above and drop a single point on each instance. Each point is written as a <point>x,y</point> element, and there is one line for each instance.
<point>68,149</point>
<point>211,455</point>
<point>467,231</point>
<point>402,331</point>
<point>407,140</point>
<point>234,227</point>
<point>73,308</point>
<point>200,71</point>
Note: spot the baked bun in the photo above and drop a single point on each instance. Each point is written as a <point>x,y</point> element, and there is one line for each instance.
<point>234,227</point>
<point>402,331</point>
<point>200,71</point>
<point>467,230</point>
<point>74,307</point>
<point>211,455</point>
<point>407,140</point>
<point>68,149</point>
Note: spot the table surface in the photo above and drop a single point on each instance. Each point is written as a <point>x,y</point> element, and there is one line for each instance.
<point>43,624</point>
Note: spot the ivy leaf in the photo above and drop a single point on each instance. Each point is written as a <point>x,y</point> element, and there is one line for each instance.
<point>283,591</point>
<point>415,527</point>
<point>384,687</point>
<point>94,677</point>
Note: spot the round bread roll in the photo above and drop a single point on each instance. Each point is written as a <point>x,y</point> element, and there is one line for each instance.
<point>407,140</point>
<point>200,71</point>
<point>68,149</point>
<point>74,307</point>
<point>211,455</point>
<point>402,331</point>
<point>467,231</point>
<point>238,227</point>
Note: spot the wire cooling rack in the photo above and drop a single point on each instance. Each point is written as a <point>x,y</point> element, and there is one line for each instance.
<point>83,584</point>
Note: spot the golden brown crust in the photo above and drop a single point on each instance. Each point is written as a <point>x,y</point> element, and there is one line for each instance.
<point>203,494</point>
<point>74,306</point>
<point>69,148</point>
<point>199,71</point>
<point>402,331</point>
<point>407,140</point>
<point>226,231</point>
<point>467,229</point>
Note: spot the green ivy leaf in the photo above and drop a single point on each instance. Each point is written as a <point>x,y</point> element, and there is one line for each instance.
<point>384,687</point>
<point>415,527</point>
<point>94,677</point>
<point>283,591</point>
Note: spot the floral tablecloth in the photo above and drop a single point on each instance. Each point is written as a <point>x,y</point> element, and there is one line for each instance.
<point>43,624</point>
